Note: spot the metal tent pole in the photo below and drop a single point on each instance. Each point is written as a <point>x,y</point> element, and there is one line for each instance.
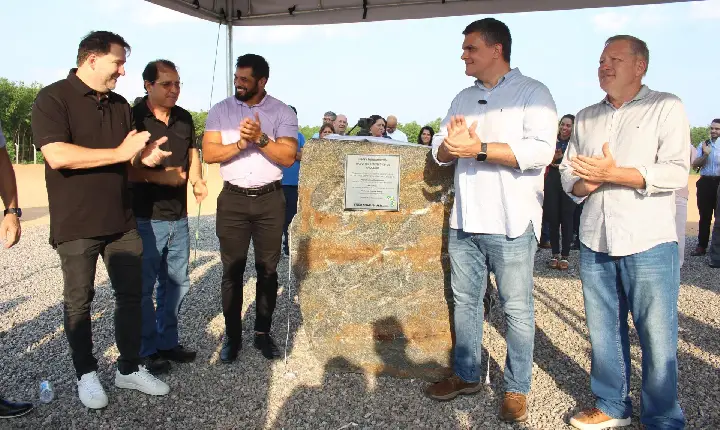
<point>229,8</point>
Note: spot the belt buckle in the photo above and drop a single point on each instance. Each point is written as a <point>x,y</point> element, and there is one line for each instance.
<point>252,192</point>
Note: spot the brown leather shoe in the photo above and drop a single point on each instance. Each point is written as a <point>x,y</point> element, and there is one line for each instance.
<point>514,408</point>
<point>699,252</point>
<point>451,387</point>
<point>594,418</point>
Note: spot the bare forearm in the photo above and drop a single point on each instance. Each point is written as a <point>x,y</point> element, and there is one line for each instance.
<point>60,155</point>
<point>282,151</point>
<point>171,176</point>
<point>8,185</point>
<point>501,153</point>
<point>195,172</point>
<point>627,176</point>
<point>215,152</point>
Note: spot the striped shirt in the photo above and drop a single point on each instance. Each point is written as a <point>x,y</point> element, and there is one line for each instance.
<point>712,165</point>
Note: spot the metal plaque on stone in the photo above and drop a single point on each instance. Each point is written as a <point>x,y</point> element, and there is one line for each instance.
<point>372,182</point>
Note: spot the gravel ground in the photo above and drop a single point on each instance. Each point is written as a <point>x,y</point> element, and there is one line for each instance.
<point>252,393</point>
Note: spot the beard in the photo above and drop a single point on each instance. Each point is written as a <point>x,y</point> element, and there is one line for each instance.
<point>249,93</point>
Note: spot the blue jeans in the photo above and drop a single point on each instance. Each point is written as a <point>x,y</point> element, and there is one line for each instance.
<point>471,257</point>
<point>166,251</point>
<point>647,285</point>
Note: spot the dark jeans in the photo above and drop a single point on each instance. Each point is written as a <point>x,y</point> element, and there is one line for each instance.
<point>560,212</point>
<point>240,218</point>
<point>707,187</point>
<point>714,251</point>
<point>291,200</point>
<point>122,254</point>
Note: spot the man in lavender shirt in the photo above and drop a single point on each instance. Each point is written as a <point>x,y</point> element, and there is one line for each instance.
<point>252,135</point>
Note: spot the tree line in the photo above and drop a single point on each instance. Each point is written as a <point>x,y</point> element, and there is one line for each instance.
<point>16,99</point>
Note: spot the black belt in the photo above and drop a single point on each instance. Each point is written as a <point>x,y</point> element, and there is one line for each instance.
<point>253,192</point>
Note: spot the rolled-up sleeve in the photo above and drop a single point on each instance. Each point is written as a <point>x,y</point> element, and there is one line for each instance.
<point>566,171</point>
<point>670,170</point>
<point>536,148</point>
<point>442,133</point>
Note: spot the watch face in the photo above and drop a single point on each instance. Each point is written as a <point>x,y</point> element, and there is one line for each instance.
<point>481,156</point>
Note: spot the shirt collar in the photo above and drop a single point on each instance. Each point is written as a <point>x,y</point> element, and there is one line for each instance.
<point>144,111</point>
<point>644,91</point>
<point>81,86</point>
<point>506,77</point>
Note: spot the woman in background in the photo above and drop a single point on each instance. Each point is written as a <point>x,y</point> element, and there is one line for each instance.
<point>558,206</point>
<point>425,136</point>
<point>377,129</point>
<point>326,129</point>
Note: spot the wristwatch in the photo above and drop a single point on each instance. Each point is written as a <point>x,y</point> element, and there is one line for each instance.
<point>482,155</point>
<point>16,211</point>
<point>264,140</point>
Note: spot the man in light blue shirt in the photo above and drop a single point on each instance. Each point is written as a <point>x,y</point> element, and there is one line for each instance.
<point>708,161</point>
<point>500,134</point>
<point>290,180</point>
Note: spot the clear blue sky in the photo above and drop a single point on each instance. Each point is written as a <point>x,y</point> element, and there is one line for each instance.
<point>408,68</point>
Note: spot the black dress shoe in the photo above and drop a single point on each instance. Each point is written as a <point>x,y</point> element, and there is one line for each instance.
<point>229,351</point>
<point>698,252</point>
<point>265,344</point>
<point>156,364</point>
<point>11,410</point>
<point>178,354</point>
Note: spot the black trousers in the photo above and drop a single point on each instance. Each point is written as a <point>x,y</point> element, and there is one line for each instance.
<point>291,200</point>
<point>714,251</point>
<point>707,187</point>
<point>559,210</point>
<point>239,219</point>
<point>122,254</point>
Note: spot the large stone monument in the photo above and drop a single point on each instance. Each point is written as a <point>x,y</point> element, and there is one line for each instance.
<point>373,283</point>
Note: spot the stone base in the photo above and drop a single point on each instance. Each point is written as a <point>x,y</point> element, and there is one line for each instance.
<point>372,284</point>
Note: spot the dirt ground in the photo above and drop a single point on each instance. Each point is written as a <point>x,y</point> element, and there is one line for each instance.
<point>33,196</point>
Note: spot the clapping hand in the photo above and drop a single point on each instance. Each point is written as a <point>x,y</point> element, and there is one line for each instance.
<point>462,141</point>
<point>250,129</point>
<point>152,155</point>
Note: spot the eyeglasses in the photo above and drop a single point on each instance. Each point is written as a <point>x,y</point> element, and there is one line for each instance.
<point>168,84</point>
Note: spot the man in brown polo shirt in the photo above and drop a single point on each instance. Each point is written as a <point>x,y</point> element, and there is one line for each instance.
<point>85,133</point>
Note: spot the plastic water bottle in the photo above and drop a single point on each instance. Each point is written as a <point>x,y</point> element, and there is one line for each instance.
<point>46,392</point>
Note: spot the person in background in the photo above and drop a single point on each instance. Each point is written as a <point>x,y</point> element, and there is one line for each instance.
<point>377,126</point>
<point>290,180</point>
<point>392,131</point>
<point>328,117</point>
<point>425,136</point>
<point>10,232</point>
<point>326,129</point>
<point>558,207</point>
<point>708,164</point>
<point>340,124</point>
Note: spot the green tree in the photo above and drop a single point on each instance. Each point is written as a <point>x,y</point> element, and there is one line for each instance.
<point>309,130</point>
<point>699,134</point>
<point>16,100</point>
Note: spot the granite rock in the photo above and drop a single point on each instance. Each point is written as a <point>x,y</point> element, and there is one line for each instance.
<point>373,285</point>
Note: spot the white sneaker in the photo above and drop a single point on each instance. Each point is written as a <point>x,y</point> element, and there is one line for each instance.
<point>91,392</point>
<point>142,381</point>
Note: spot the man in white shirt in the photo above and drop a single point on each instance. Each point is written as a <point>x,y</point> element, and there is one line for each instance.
<point>500,134</point>
<point>627,156</point>
<point>392,131</point>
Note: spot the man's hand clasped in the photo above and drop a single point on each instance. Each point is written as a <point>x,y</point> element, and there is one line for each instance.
<point>596,170</point>
<point>462,141</point>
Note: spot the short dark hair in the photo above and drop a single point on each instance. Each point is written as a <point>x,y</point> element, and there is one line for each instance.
<point>98,42</point>
<point>493,32</point>
<point>293,108</point>
<point>150,73</point>
<point>327,125</point>
<point>258,64</point>
<point>716,121</point>
<point>638,47</point>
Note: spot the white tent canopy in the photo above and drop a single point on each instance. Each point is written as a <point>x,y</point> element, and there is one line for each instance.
<point>312,12</point>
<point>308,12</point>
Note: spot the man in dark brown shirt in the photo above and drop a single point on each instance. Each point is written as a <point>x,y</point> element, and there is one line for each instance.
<point>160,206</point>
<point>85,132</point>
